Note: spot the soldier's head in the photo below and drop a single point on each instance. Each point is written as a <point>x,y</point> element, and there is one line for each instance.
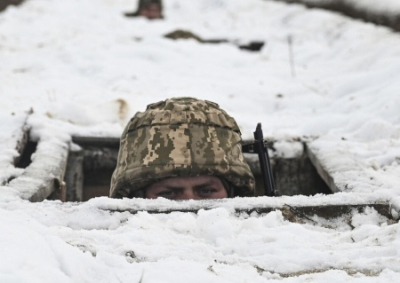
<point>181,148</point>
<point>151,9</point>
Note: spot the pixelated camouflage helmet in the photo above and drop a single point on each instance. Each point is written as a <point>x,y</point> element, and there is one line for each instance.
<point>180,137</point>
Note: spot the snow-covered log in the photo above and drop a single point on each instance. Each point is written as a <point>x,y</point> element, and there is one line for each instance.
<point>291,213</point>
<point>45,174</point>
<point>13,140</point>
<point>295,209</point>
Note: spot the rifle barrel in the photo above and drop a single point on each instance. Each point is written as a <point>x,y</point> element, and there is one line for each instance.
<point>265,165</point>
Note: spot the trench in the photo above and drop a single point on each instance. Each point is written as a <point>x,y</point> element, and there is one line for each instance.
<point>84,173</point>
<point>89,169</point>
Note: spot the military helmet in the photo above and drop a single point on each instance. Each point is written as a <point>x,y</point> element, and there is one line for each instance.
<point>180,137</point>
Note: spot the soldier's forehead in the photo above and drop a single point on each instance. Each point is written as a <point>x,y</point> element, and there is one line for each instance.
<point>197,180</point>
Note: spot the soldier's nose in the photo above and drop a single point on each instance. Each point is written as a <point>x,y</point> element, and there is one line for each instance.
<point>188,194</point>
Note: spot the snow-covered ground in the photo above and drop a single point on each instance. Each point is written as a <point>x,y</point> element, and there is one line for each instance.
<point>84,69</point>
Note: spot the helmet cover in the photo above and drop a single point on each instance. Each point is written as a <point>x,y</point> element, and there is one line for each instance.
<point>180,137</point>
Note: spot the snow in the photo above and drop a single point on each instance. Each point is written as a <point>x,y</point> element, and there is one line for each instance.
<point>185,246</point>
<point>84,70</point>
<point>9,135</point>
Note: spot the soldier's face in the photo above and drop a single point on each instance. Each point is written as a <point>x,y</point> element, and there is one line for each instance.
<point>151,11</point>
<point>181,188</point>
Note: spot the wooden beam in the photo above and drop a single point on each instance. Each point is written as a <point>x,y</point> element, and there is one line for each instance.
<point>111,142</point>
<point>74,176</point>
<point>293,213</point>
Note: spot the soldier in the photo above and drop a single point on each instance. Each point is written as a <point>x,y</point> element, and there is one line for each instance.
<point>151,9</point>
<point>181,148</point>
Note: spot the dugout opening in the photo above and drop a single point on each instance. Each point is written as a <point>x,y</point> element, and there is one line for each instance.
<point>89,170</point>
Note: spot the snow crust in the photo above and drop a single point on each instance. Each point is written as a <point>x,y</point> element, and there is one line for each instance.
<point>85,69</point>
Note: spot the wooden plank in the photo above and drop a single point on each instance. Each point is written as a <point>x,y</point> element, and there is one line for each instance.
<point>74,176</point>
<point>111,142</point>
<point>99,158</point>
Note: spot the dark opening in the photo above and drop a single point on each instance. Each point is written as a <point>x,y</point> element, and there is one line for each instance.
<point>25,158</point>
<point>96,183</point>
<point>98,166</point>
<point>5,3</point>
<point>298,176</point>
<point>89,169</point>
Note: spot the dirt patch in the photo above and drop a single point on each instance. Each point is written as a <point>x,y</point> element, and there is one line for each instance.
<point>349,9</point>
<point>5,3</point>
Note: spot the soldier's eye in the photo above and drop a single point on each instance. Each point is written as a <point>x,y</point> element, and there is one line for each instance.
<point>167,194</point>
<point>207,191</point>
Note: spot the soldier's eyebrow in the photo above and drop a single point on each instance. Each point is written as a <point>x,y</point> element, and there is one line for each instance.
<point>204,185</point>
<point>196,187</point>
<point>172,187</point>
